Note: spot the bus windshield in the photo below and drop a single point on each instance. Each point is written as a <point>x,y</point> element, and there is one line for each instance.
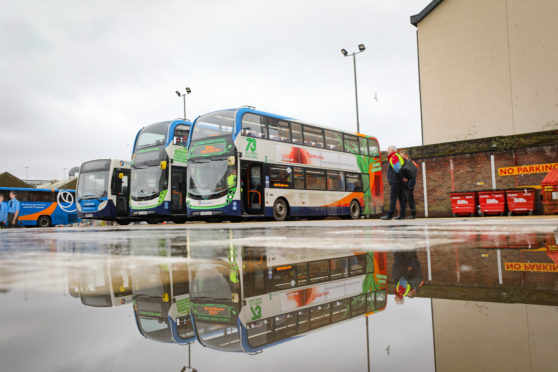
<point>93,185</point>
<point>147,182</point>
<point>153,135</point>
<point>210,179</point>
<point>215,124</point>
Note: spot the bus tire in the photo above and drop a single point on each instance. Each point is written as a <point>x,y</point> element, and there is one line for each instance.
<point>179,220</point>
<point>123,222</point>
<point>280,210</point>
<point>43,221</point>
<point>153,221</point>
<point>354,210</point>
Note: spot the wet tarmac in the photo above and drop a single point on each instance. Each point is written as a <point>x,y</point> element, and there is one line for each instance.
<point>423,295</point>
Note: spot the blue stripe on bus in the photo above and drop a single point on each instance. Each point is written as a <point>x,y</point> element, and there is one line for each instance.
<point>175,336</point>
<point>173,126</point>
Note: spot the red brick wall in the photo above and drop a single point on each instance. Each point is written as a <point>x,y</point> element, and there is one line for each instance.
<point>471,172</point>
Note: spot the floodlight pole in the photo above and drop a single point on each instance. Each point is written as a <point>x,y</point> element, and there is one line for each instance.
<point>183,95</point>
<point>344,52</point>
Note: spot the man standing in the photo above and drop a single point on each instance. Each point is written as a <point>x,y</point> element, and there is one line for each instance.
<point>409,181</point>
<point>3,212</point>
<point>395,164</point>
<point>13,209</point>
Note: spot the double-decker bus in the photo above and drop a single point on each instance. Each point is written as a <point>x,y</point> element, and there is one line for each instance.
<point>244,162</point>
<point>43,207</point>
<point>258,297</point>
<point>158,185</point>
<point>161,293</point>
<point>103,190</point>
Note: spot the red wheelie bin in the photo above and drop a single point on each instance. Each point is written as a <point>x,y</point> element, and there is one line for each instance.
<point>492,202</point>
<point>521,201</point>
<point>463,203</point>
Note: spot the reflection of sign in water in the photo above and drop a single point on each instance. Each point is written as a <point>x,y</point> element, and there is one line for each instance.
<point>532,266</point>
<point>66,201</point>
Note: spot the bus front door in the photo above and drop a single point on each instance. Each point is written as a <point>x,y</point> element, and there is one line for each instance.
<point>253,195</point>
<point>178,190</point>
<point>122,192</point>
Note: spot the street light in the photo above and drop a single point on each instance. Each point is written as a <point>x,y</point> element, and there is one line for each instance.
<point>183,95</point>
<point>361,48</point>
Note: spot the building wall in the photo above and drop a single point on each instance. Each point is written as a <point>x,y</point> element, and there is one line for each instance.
<point>472,167</point>
<point>487,68</point>
<point>484,336</point>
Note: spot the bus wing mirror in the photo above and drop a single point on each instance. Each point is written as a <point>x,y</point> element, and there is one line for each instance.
<point>163,164</point>
<point>232,160</point>
<point>121,175</point>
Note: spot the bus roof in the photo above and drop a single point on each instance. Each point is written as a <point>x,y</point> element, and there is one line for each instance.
<point>240,111</point>
<point>171,123</point>
<point>32,189</point>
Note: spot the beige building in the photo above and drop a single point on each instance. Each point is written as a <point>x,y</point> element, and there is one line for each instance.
<point>488,336</point>
<point>487,68</point>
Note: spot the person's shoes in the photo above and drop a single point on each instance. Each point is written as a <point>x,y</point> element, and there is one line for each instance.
<point>411,217</point>
<point>386,217</point>
<point>399,218</point>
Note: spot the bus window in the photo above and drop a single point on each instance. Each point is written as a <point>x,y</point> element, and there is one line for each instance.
<point>357,264</point>
<point>302,274</point>
<point>303,320</point>
<point>181,134</point>
<point>296,132</point>
<point>252,126</point>
<point>373,148</point>
<point>313,136</point>
<point>318,270</point>
<point>320,315</point>
<point>370,303</point>
<point>351,144</point>
<point>283,277</point>
<point>315,179</point>
<point>278,130</point>
<point>260,332</point>
<point>333,140</point>
<point>339,268</point>
<point>284,326</point>
<point>358,305</point>
<point>298,177</point>
<point>255,270</point>
<point>380,299</point>
<point>363,145</point>
<point>340,310</point>
<point>335,181</point>
<point>354,182</point>
<point>279,176</point>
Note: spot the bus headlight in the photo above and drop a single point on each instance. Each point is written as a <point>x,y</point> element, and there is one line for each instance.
<point>102,205</point>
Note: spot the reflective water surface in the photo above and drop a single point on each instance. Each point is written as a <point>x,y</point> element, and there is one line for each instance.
<point>441,295</point>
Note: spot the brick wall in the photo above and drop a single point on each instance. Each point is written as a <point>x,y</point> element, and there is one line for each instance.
<point>472,167</point>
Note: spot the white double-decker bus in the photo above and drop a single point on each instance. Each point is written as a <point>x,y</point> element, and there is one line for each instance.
<point>244,162</point>
<point>253,298</point>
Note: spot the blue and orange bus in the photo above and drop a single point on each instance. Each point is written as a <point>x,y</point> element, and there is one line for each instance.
<point>44,207</point>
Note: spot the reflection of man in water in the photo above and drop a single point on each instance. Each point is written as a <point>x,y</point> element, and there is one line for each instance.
<point>407,275</point>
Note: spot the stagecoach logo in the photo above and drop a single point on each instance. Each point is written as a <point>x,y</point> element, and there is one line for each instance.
<point>66,201</point>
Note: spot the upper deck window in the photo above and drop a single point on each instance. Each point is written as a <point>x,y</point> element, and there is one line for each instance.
<point>313,136</point>
<point>253,126</point>
<point>215,124</point>
<point>333,140</point>
<point>296,131</point>
<point>181,134</point>
<point>278,130</point>
<point>351,144</point>
<point>373,148</point>
<point>153,135</point>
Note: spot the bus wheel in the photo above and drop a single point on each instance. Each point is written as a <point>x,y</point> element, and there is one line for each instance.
<point>354,210</point>
<point>280,210</point>
<point>153,221</point>
<point>123,222</point>
<point>43,221</point>
<point>179,220</point>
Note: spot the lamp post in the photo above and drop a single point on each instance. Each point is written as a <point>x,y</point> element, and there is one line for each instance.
<point>361,49</point>
<point>183,95</point>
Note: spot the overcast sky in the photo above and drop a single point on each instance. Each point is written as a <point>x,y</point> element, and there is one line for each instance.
<point>79,79</point>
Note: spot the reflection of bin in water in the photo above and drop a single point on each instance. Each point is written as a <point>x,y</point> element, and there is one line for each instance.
<point>492,202</point>
<point>463,203</point>
<point>550,192</point>
<point>521,201</point>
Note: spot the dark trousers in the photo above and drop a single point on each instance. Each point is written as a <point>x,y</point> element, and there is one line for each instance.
<point>410,198</point>
<point>396,193</point>
<point>11,218</point>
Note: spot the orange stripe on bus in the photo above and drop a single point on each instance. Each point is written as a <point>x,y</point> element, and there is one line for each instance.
<point>345,201</point>
<point>34,216</point>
